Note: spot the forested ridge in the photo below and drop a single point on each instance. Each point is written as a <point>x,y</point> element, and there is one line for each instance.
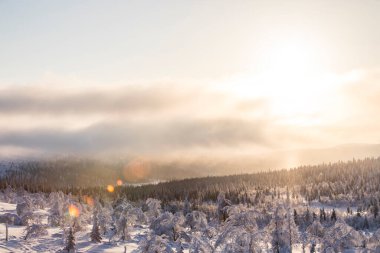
<point>355,178</point>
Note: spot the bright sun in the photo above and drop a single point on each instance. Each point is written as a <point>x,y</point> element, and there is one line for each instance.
<point>289,74</point>
<point>290,58</point>
<point>290,69</point>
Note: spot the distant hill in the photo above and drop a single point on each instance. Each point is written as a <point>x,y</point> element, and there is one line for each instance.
<point>75,171</point>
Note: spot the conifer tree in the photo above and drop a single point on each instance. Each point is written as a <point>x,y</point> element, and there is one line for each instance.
<point>312,248</point>
<point>375,210</point>
<point>70,246</point>
<point>314,216</point>
<point>366,223</point>
<point>295,217</point>
<point>307,216</point>
<point>186,207</point>
<point>95,234</point>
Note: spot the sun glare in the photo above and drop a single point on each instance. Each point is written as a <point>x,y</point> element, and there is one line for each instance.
<point>293,77</point>
<point>290,58</point>
<point>290,74</point>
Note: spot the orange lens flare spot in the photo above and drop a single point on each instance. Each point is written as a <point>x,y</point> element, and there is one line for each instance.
<point>137,170</point>
<point>110,188</point>
<point>89,200</point>
<point>119,182</point>
<point>73,211</point>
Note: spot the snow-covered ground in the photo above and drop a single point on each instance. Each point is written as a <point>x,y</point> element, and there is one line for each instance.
<point>53,242</point>
<point>279,221</point>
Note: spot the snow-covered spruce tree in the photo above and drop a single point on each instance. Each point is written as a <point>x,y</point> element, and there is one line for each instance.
<point>70,242</point>
<point>112,232</point>
<point>186,207</point>
<point>104,218</point>
<point>180,248</point>
<point>24,207</point>
<point>120,218</point>
<point>314,216</point>
<point>77,224</point>
<point>375,210</point>
<point>197,220</point>
<point>152,207</point>
<point>307,217</point>
<point>341,236</point>
<point>223,205</point>
<point>169,224</point>
<point>312,247</point>
<point>200,245</point>
<point>95,233</point>
<point>292,231</point>
<point>29,218</point>
<point>155,244</point>
<point>316,229</point>
<point>283,229</point>
<point>126,215</point>
<point>56,217</point>
<point>275,228</point>
<point>295,216</point>
<point>39,201</point>
<point>35,230</point>
<point>365,223</point>
<point>240,233</point>
<point>122,228</point>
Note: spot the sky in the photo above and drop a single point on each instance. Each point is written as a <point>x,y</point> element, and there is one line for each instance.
<point>207,82</point>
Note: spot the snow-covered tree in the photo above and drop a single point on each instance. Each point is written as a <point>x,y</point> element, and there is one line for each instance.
<point>340,236</point>
<point>169,224</point>
<point>78,224</point>
<point>95,233</point>
<point>196,220</point>
<point>70,242</point>
<point>30,218</point>
<point>223,205</point>
<point>35,230</point>
<point>316,229</point>
<point>24,207</point>
<point>152,208</point>
<point>200,245</point>
<point>155,244</point>
<point>240,233</point>
<point>126,215</point>
<point>112,232</point>
<point>186,207</point>
<point>104,215</point>
<point>56,217</point>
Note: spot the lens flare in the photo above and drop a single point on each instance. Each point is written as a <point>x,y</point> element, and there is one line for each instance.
<point>119,182</point>
<point>110,188</point>
<point>88,200</point>
<point>137,170</point>
<point>74,211</point>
